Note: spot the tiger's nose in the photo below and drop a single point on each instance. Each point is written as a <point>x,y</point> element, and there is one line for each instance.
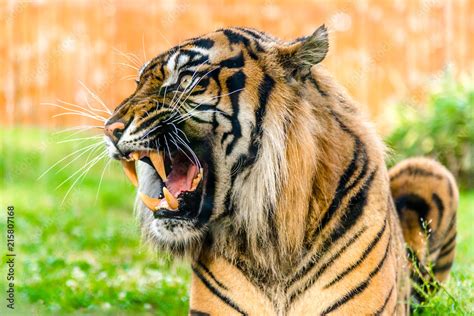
<point>114,131</point>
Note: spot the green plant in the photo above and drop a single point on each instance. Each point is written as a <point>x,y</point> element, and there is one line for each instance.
<point>442,129</point>
<point>424,282</point>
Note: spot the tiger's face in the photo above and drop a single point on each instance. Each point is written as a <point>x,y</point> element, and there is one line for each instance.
<point>192,128</point>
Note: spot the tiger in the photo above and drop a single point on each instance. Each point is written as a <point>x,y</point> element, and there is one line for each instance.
<point>255,166</point>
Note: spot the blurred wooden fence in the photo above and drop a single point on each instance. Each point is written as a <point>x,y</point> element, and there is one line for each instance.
<point>381,51</point>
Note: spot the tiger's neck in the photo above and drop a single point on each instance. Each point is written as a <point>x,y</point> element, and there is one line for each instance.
<point>326,156</point>
<point>219,287</point>
<point>322,130</point>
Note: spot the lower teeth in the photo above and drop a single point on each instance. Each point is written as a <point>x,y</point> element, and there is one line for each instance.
<point>171,199</point>
<point>150,202</point>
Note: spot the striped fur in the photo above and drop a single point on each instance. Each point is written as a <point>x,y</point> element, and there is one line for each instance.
<point>426,198</point>
<point>300,218</point>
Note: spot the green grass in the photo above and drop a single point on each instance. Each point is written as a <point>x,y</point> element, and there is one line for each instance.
<point>456,297</point>
<point>83,255</point>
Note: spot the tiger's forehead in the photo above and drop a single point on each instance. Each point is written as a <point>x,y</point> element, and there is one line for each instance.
<point>209,48</point>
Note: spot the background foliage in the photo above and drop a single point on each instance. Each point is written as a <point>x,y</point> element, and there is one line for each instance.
<point>443,129</point>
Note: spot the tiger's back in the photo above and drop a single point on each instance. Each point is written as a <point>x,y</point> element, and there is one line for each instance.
<point>426,198</point>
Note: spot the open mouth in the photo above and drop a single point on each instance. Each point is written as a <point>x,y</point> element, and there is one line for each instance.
<point>181,181</point>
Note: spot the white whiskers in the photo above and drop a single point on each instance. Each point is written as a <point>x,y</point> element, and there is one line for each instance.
<point>86,149</point>
<point>95,97</point>
<point>130,57</point>
<point>186,116</point>
<point>91,153</point>
<point>84,170</point>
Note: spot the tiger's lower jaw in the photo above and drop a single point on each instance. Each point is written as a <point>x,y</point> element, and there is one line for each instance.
<point>178,237</point>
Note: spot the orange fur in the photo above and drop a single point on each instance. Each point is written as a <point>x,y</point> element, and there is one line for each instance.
<point>303,219</point>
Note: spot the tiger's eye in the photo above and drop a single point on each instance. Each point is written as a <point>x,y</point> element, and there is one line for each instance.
<point>185,82</point>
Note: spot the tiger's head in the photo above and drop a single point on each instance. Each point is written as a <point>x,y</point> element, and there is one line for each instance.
<point>208,124</point>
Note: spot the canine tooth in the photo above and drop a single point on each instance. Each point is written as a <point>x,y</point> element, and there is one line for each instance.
<point>196,180</point>
<point>171,199</point>
<point>150,202</point>
<point>135,155</point>
<point>158,162</point>
<point>129,168</point>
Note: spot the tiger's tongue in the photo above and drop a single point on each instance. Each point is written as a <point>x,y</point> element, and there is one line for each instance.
<point>181,176</point>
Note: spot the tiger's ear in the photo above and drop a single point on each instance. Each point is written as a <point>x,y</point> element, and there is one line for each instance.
<point>298,57</point>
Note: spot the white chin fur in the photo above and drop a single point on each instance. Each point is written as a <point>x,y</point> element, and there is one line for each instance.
<point>165,233</point>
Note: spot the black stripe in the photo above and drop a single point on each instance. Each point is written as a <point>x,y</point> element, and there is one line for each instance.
<point>445,244</point>
<point>412,201</point>
<point>264,90</point>
<point>382,308</point>
<point>439,205</point>
<point>366,252</point>
<point>341,124</point>
<point>162,71</point>
<point>448,230</point>
<point>234,84</point>
<point>209,107</point>
<point>341,190</point>
<point>446,251</point>
<point>194,312</point>
<point>253,35</point>
<point>450,188</point>
<point>414,171</point>
<point>233,62</point>
<point>208,201</point>
<point>148,119</point>
<point>351,214</point>
<point>449,242</point>
<point>246,160</point>
<point>316,85</point>
<point>205,43</point>
<point>442,268</point>
<point>257,277</point>
<point>314,259</point>
<point>359,288</point>
<point>256,35</point>
<point>212,275</point>
<point>359,156</point>
<point>365,166</point>
<point>236,38</point>
<point>214,291</point>
<point>194,59</point>
<point>215,75</point>
<point>451,224</point>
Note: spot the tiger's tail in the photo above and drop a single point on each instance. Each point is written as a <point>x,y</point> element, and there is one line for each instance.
<point>426,198</point>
